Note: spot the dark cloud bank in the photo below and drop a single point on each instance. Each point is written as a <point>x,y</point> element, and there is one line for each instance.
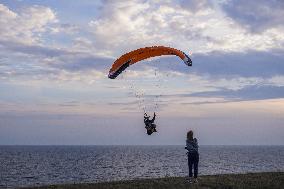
<point>256,15</point>
<point>253,92</point>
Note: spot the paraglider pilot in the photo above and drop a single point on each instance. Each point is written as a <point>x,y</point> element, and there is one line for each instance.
<point>149,123</point>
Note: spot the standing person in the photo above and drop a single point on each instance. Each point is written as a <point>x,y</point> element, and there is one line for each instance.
<point>192,154</point>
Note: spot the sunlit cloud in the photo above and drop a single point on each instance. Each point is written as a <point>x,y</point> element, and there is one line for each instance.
<point>26,25</point>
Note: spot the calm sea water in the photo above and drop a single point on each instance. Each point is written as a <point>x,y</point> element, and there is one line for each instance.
<point>42,165</point>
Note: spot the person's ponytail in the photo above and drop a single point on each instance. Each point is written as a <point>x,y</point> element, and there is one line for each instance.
<point>189,135</point>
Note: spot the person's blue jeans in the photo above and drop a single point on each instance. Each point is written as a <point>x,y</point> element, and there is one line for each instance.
<point>193,159</point>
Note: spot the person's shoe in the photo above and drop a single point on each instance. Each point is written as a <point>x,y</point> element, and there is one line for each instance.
<point>189,180</point>
<point>195,180</point>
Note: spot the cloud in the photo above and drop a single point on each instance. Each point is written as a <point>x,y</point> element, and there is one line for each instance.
<point>229,64</point>
<point>206,90</point>
<point>64,28</point>
<point>249,64</point>
<point>82,62</point>
<point>253,92</point>
<point>31,49</point>
<point>28,52</point>
<point>20,60</point>
<point>256,15</point>
<point>70,104</point>
<point>196,26</point>
<point>27,25</point>
<point>147,23</point>
<point>219,46</point>
<point>196,5</point>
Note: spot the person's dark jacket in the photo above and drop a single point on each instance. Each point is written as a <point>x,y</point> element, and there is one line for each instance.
<point>148,121</point>
<point>192,146</point>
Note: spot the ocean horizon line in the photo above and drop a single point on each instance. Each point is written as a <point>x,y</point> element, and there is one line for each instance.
<point>138,145</point>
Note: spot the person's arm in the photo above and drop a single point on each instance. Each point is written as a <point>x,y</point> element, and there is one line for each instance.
<point>145,120</point>
<point>153,119</point>
<point>186,145</point>
<point>196,142</point>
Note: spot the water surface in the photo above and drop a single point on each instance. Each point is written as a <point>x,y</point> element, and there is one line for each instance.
<point>42,165</point>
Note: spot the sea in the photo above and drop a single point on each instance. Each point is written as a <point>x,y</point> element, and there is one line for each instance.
<point>22,166</point>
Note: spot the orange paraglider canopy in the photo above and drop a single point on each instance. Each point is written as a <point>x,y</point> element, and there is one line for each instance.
<point>143,53</point>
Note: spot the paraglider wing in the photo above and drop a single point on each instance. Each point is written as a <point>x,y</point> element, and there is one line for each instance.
<point>143,53</point>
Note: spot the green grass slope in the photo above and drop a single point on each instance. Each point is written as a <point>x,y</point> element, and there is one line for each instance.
<point>244,181</point>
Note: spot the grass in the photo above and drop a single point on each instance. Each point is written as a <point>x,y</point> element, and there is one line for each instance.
<point>245,181</point>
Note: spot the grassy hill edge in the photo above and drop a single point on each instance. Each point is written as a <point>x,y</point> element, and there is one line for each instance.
<point>250,180</point>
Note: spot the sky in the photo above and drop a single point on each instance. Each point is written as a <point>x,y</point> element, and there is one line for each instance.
<point>55,57</point>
